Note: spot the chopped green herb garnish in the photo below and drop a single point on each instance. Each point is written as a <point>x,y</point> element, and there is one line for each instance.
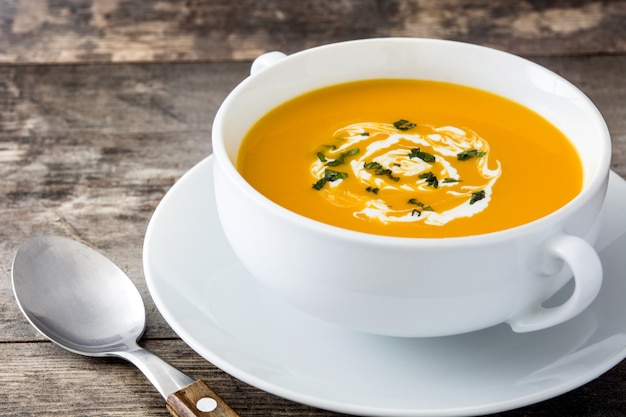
<point>336,162</point>
<point>465,155</point>
<point>334,175</point>
<point>430,178</point>
<point>404,124</point>
<point>420,204</point>
<point>374,190</point>
<point>365,134</point>
<point>380,170</point>
<point>372,165</point>
<point>477,196</point>
<point>449,180</point>
<point>424,156</point>
<point>320,183</point>
<point>329,175</point>
<point>342,157</point>
<point>321,157</point>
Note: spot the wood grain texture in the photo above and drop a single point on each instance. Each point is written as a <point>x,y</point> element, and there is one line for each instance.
<point>91,144</point>
<point>79,31</point>
<point>184,403</point>
<point>88,151</point>
<point>43,379</point>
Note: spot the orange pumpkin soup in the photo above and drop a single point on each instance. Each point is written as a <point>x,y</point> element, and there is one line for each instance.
<point>410,158</point>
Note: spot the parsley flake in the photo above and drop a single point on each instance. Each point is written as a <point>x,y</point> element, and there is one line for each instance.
<point>329,175</point>
<point>430,178</point>
<point>424,156</point>
<point>465,155</point>
<point>404,124</point>
<point>420,204</point>
<point>477,196</point>
<point>380,170</point>
<point>342,157</point>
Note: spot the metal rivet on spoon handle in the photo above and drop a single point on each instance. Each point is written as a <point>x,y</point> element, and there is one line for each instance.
<point>83,302</point>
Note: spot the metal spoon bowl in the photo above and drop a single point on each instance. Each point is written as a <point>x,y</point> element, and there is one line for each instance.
<point>83,302</point>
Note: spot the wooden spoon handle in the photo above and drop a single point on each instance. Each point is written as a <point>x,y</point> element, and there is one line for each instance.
<point>198,400</point>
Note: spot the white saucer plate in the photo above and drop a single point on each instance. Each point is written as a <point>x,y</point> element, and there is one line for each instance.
<point>221,312</point>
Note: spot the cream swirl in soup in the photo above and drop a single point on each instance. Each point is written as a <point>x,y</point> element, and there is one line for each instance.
<point>410,158</point>
<point>404,172</point>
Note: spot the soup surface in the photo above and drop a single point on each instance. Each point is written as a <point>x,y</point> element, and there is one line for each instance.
<point>410,158</point>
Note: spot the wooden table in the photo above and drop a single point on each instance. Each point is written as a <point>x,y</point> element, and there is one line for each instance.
<point>105,104</point>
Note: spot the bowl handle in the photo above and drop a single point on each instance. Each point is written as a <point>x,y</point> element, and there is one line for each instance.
<point>265,60</point>
<point>585,263</point>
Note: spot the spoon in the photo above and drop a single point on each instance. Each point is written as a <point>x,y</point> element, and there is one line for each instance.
<point>83,302</point>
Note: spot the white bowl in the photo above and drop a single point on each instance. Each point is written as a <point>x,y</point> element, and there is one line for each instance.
<point>413,286</point>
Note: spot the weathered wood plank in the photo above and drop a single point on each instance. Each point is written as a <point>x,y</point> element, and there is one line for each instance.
<point>89,151</point>
<point>79,31</point>
<point>52,381</point>
<point>52,100</point>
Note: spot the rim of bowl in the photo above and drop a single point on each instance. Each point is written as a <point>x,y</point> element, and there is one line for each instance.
<point>596,178</point>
